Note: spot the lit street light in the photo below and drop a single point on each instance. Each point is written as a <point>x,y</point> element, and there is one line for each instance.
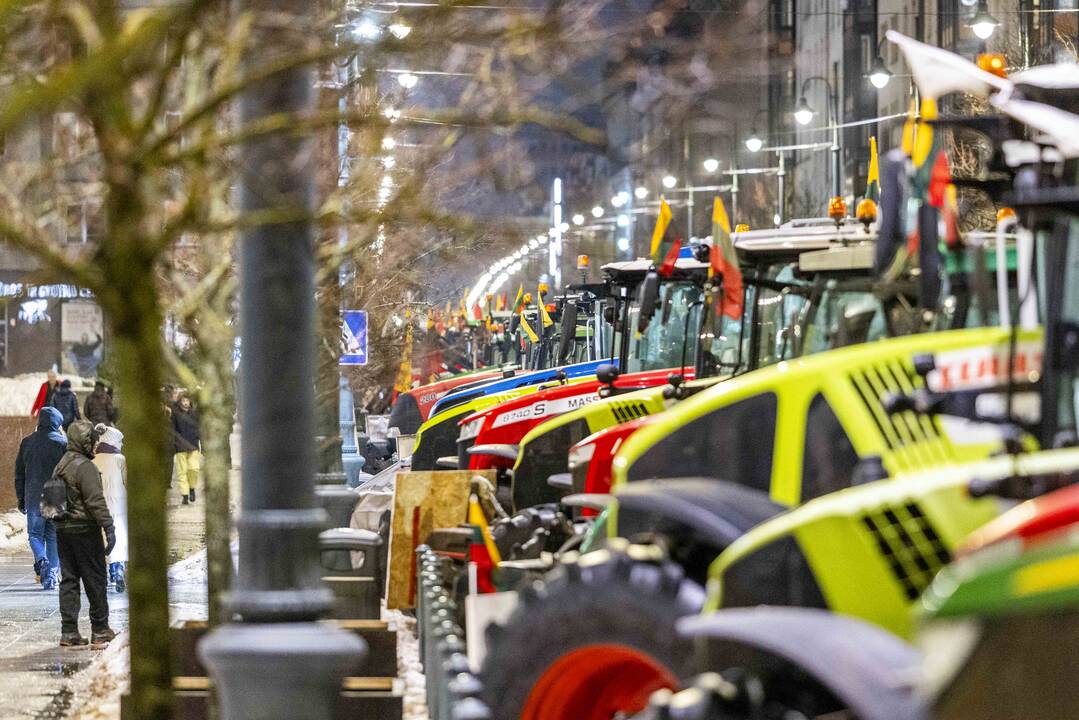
<point>669,181</point>
<point>623,220</point>
<point>623,244</point>
<point>880,74</point>
<point>617,201</point>
<point>400,30</point>
<point>641,192</point>
<point>711,165</point>
<point>388,143</point>
<point>367,30</point>
<point>983,24</point>
<point>578,219</point>
<point>803,113</point>
<point>597,212</point>
<point>407,80</point>
<point>754,142</point>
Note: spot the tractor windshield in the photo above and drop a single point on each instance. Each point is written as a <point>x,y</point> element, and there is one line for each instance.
<point>669,340</point>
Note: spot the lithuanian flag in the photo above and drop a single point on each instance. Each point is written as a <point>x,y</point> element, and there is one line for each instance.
<point>545,317</point>
<point>724,261</point>
<point>519,301</point>
<point>664,251</point>
<point>872,186</point>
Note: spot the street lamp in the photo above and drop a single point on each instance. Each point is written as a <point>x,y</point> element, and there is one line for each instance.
<point>400,30</point>
<point>388,143</point>
<point>641,192</point>
<point>803,113</point>
<point>669,181</point>
<point>879,74</point>
<point>597,212</point>
<point>983,24</point>
<point>623,220</point>
<point>754,143</point>
<point>578,219</point>
<point>407,80</point>
<point>711,165</point>
<point>618,201</point>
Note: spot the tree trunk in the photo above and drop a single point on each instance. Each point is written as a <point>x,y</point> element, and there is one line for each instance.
<point>136,337</point>
<point>216,414</point>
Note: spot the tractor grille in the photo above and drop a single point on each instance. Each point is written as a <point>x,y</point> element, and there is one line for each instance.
<point>915,440</point>
<point>909,544</point>
<point>626,411</point>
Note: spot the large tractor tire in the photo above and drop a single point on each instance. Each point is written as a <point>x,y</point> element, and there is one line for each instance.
<point>593,639</point>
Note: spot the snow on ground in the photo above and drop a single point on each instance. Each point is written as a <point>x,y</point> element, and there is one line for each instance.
<point>409,668</point>
<point>17,394</point>
<point>12,530</point>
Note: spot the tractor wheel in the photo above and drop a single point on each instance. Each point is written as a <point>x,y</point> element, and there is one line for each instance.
<point>593,639</point>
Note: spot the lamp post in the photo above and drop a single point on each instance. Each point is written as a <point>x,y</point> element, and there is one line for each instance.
<point>804,114</point>
<point>278,658</point>
<point>982,24</point>
<point>879,74</point>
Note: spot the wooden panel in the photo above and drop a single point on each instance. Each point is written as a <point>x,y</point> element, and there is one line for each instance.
<point>423,501</point>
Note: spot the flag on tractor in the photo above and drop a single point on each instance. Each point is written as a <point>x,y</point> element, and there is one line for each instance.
<point>664,250</point>
<point>545,317</point>
<point>528,328</point>
<point>404,372</point>
<point>477,312</point>
<point>482,549</point>
<point>723,260</point>
<point>519,301</point>
<point>872,186</point>
<point>925,155</point>
<point>500,302</point>
<point>950,214</point>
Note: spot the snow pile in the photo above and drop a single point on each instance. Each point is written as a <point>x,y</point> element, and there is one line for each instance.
<point>12,530</point>
<point>409,668</point>
<point>17,394</point>
<point>103,682</point>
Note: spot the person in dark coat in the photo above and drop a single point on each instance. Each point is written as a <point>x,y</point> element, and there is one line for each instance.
<point>187,446</point>
<point>78,535</point>
<point>67,403</point>
<point>98,407</point>
<point>39,453</point>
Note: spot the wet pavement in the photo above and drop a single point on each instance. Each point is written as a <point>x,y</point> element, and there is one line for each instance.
<point>34,670</point>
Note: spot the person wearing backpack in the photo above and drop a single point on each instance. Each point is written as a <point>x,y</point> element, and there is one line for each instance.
<point>80,517</point>
<point>39,452</point>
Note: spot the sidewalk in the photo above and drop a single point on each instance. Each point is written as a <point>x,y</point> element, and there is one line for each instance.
<point>35,673</point>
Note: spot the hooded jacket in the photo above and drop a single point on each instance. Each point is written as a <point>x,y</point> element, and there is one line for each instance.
<point>98,407</point>
<point>185,429</point>
<point>65,401</point>
<point>86,505</point>
<point>38,454</point>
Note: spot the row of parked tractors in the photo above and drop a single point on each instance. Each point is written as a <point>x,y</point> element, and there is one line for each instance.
<point>843,490</point>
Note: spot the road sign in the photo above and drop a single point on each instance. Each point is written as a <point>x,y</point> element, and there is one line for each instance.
<point>354,337</point>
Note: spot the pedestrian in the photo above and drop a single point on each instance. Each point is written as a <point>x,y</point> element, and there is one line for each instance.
<point>186,447</point>
<point>45,392</point>
<point>111,463</point>
<point>39,452</point>
<point>67,403</point>
<point>78,537</point>
<point>98,407</point>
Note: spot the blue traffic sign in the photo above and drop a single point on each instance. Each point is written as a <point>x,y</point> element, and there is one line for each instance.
<point>354,337</point>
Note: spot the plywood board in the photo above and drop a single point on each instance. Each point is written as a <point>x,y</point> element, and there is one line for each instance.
<point>423,501</point>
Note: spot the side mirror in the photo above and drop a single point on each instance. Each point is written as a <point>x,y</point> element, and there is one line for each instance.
<point>607,373</point>
<point>567,330</point>
<point>854,327</point>
<point>649,300</point>
<point>515,322</point>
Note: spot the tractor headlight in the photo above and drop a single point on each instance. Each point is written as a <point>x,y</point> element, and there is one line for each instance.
<point>471,429</point>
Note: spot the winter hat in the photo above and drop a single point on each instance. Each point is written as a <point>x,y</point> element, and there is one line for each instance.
<point>110,436</point>
<point>66,384</point>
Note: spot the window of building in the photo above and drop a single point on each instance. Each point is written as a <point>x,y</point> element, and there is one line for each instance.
<point>828,459</point>
<point>84,222</point>
<point>867,53</point>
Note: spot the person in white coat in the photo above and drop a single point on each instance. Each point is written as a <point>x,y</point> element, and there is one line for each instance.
<point>110,461</point>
